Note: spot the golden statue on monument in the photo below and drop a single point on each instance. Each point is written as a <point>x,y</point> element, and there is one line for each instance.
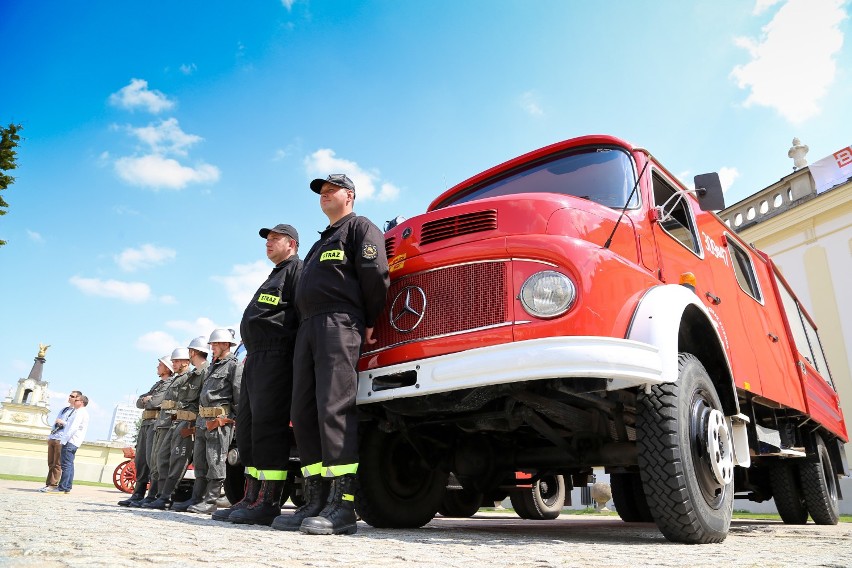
<point>42,349</point>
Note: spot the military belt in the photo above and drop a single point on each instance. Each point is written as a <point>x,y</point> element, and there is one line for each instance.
<point>213,411</point>
<point>168,404</point>
<point>148,414</point>
<point>186,415</point>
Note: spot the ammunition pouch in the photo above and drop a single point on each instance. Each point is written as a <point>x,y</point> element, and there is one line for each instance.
<point>187,432</point>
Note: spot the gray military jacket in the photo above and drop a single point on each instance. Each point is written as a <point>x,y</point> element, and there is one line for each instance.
<point>157,393</point>
<point>222,385</point>
<point>190,389</point>
<point>166,417</point>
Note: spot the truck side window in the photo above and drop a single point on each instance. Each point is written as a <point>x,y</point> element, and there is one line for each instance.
<point>744,270</point>
<point>678,223</point>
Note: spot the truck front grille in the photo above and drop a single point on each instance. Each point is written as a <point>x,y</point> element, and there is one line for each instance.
<point>464,224</point>
<point>458,298</point>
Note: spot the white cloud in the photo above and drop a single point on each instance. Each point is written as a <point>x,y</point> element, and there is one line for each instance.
<point>188,69</point>
<point>137,95</point>
<point>159,172</point>
<point>793,62</point>
<point>135,292</point>
<point>143,257</point>
<point>168,300</point>
<point>167,137</point>
<point>200,326</point>
<point>727,176</point>
<point>529,102</point>
<point>157,342</point>
<point>34,236</point>
<point>243,281</point>
<point>324,162</point>
<point>761,6</point>
<point>288,4</point>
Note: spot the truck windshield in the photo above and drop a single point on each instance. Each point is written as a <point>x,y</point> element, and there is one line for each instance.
<point>602,175</point>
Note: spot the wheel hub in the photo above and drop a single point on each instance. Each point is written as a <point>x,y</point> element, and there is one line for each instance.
<point>719,450</point>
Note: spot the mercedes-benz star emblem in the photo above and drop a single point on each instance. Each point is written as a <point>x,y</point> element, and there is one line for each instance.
<point>407,309</point>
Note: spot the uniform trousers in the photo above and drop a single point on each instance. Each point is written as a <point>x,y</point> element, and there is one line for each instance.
<point>143,471</point>
<point>210,451</point>
<point>263,416</point>
<point>325,382</point>
<point>180,452</point>
<point>156,452</point>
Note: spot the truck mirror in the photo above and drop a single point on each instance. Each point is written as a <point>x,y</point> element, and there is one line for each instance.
<point>708,190</point>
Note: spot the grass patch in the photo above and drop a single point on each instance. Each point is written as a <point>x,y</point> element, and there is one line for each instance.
<point>41,480</point>
<point>740,514</point>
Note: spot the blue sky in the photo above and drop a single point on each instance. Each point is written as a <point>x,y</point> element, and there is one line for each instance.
<point>160,136</point>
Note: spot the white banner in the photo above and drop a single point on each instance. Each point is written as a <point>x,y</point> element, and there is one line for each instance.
<point>832,170</point>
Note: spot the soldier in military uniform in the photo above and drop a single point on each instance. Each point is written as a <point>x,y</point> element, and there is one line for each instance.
<point>339,297</point>
<point>150,404</point>
<point>182,436</point>
<point>163,429</point>
<point>214,427</point>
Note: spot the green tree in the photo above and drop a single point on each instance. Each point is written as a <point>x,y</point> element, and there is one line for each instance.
<point>9,138</point>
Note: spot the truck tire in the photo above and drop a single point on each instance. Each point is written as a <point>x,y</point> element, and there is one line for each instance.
<point>460,503</point>
<point>396,488</point>
<point>629,497</point>
<point>787,492</point>
<point>819,486</point>
<point>544,501</point>
<point>677,427</point>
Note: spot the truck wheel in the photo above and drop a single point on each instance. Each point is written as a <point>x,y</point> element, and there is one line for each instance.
<point>396,488</point>
<point>686,457</point>
<point>543,501</point>
<point>819,486</point>
<point>629,497</point>
<point>787,492</point>
<point>460,503</point>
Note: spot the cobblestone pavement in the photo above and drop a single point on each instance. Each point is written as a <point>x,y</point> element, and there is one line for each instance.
<point>86,528</point>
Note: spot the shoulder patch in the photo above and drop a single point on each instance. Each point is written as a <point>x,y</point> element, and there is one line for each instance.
<point>369,251</point>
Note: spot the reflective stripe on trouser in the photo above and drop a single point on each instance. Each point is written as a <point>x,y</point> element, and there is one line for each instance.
<point>325,420</point>
<point>263,414</point>
<point>271,474</point>
<point>312,469</point>
<point>211,450</point>
<point>338,470</point>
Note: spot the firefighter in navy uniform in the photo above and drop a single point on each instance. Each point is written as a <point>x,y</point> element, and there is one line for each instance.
<point>268,331</point>
<point>150,405</point>
<point>214,427</point>
<point>340,294</point>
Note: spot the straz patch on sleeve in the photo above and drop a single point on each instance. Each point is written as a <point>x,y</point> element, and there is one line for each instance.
<point>269,299</point>
<point>369,251</point>
<point>331,255</point>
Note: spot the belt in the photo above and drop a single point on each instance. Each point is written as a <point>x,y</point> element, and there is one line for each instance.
<point>186,415</point>
<point>168,404</point>
<point>148,414</point>
<point>213,411</point>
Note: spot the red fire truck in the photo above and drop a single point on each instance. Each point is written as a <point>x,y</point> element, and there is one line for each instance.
<point>579,307</point>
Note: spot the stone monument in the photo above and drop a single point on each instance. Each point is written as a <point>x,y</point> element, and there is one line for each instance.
<point>27,410</point>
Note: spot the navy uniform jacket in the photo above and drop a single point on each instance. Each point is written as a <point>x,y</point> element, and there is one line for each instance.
<point>346,271</point>
<point>271,317</point>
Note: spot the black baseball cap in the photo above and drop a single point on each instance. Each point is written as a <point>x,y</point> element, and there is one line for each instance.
<point>340,180</point>
<point>288,230</point>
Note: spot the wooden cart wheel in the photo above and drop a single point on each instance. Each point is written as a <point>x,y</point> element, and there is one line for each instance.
<point>124,476</point>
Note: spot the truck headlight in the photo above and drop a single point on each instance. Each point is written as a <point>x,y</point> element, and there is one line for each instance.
<point>547,294</point>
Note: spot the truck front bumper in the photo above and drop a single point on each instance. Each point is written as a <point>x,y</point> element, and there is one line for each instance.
<point>623,362</point>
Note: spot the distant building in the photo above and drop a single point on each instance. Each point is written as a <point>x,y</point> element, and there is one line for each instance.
<point>804,222</point>
<point>27,410</point>
<point>124,424</point>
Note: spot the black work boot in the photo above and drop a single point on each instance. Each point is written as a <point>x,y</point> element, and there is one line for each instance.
<point>317,489</point>
<point>264,509</point>
<point>164,499</point>
<point>252,489</point>
<point>198,488</point>
<point>152,494</point>
<point>211,495</point>
<point>338,517</point>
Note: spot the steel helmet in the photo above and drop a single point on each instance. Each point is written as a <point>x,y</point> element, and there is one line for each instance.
<point>199,344</point>
<point>222,335</point>
<point>180,353</point>
<point>167,362</point>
